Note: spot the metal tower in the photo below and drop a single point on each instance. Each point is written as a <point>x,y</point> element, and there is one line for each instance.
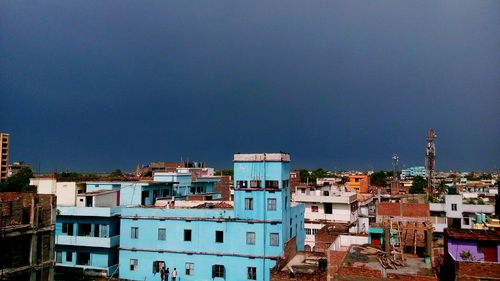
<point>430,159</point>
<point>395,178</point>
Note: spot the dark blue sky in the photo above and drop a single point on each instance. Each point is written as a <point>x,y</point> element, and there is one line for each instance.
<point>99,85</point>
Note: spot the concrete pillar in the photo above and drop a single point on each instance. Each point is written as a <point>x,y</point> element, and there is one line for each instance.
<point>33,254</point>
<point>428,241</point>
<point>387,240</point>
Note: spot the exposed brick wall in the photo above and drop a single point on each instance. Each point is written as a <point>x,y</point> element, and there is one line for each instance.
<point>285,276</point>
<point>406,210</point>
<point>477,270</point>
<point>335,259</point>
<point>223,187</point>
<point>290,251</point>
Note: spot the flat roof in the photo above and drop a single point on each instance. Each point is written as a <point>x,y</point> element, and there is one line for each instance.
<point>262,157</point>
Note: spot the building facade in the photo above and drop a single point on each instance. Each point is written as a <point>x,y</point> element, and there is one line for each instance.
<point>4,156</point>
<point>323,205</point>
<point>27,236</point>
<point>240,243</point>
<point>413,172</point>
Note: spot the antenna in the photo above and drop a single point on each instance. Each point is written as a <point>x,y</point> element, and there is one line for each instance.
<point>430,159</point>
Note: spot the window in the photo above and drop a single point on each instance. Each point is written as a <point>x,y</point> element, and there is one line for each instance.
<point>250,238</point>
<point>133,264</point>
<point>219,236</point>
<point>83,258</point>
<point>314,209</point>
<point>218,271</point>
<point>161,233</point>
<point>69,256</point>
<point>241,184</point>
<point>272,184</point>
<point>84,229</point>
<point>255,184</point>
<point>274,239</point>
<point>187,234</point>
<point>157,265</point>
<point>251,273</point>
<point>59,257</point>
<point>308,231</point>
<point>104,230</point>
<point>248,204</point>
<point>134,232</point>
<point>453,207</point>
<point>189,268</point>
<point>466,221</point>
<point>302,190</point>
<point>314,231</point>
<point>285,183</point>
<point>271,204</point>
<point>67,228</point>
<point>328,208</point>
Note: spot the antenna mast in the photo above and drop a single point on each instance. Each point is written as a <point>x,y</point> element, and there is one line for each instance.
<point>430,159</point>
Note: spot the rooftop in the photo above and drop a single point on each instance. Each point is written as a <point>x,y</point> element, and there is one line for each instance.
<point>472,234</point>
<point>261,157</point>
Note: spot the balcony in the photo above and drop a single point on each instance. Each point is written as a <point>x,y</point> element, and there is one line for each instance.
<point>313,198</point>
<point>87,241</point>
<point>437,207</point>
<point>88,211</point>
<point>469,208</point>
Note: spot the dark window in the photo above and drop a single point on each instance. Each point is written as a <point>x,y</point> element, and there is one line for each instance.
<point>248,204</point>
<point>69,256</point>
<point>67,228</point>
<point>251,273</point>
<point>187,234</point>
<point>218,271</point>
<point>134,232</point>
<point>219,236</point>
<point>272,184</point>
<point>453,207</point>
<point>84,229</point>
<point>328,208</point>
<point>285,184</point>
<point>157,265</point>
<point>83,258</point>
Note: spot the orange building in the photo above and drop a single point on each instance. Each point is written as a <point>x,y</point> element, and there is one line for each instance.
<point>360,183</point>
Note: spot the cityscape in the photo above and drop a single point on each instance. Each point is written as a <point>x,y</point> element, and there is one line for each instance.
<point>229,140</point>
<point>260,220</point>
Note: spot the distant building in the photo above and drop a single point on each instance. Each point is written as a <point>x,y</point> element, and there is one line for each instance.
<point>27,236</point>
<point>4,156</point>
<point>413,172</point>
<point>359,183</point>
<point>14,167</point>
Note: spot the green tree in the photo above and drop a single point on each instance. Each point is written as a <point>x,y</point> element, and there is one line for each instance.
<point>225,172</point>
<point>304,175</point>
<point>418,185</point>
<point>19,182</point>
<point>379,178</point>
<point>116,173</point>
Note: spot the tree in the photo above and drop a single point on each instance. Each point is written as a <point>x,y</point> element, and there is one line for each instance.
<point>418,185</point>
<point>19,182</point>
<point>116,173</point>
<point>379,178</point>
<point>225,172</point>
<point>304,175</point>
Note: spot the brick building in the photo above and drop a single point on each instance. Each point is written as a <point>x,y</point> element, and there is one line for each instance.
<point>27,236</point>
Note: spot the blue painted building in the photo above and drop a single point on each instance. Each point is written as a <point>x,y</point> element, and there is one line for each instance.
<point>219,243</point>
<point>88,234</point>
<point>413,172</point>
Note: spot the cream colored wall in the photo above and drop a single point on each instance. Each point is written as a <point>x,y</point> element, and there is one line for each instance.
<point>66,194</point>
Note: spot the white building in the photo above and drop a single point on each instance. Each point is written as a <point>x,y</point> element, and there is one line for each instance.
<point>326,204</point>
<point>459,212</point>
<point>65,191</point>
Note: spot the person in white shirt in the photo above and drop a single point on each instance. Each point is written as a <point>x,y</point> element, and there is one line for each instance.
<point>174,274</point>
